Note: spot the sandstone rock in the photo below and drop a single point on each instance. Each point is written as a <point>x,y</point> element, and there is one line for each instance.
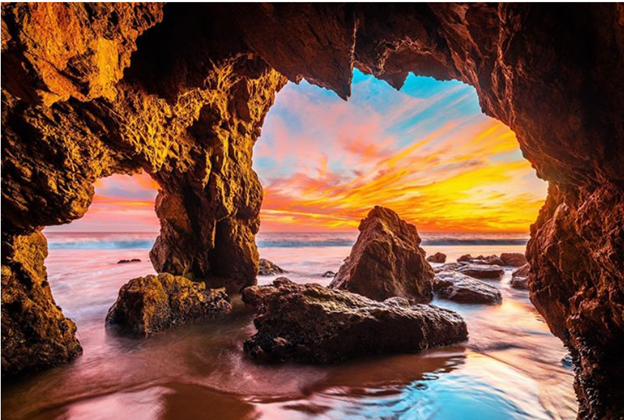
<point>461,288</point>
<point>513,259</point>
<point>482,271</point>
<point>133,260</point>
<point>465,258</point>
<point>520,277</point>
<point>151,304</point>
<point>35,333</point>
<point>438,257</point>
<point>386,261</point>
<point>267,268</point>
<point>314,324</point>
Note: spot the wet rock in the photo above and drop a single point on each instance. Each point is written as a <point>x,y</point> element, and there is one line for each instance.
<point>520,277</point>
<point>268,268</point>
<point>448,267</point>
<point>513,259</point>
<point>461,288</point>
<point>484,260</point>
<point>133,260</point>
<point>386,261</point>
<point>150,304</point>
<point>438,257</point>
<point>314,324</point>
<point>329,274</point>
<point>482,271</point>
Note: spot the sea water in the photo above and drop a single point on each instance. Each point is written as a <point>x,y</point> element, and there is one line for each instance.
<point>510,368</point>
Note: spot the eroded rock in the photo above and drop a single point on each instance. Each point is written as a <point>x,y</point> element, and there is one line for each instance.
<point>268,268</point>
<point>513,259</point>
<point>461,288</point>
<point>386,261</point>
<point>438,257</point>
<point>520,277</point>
<point>151,304</point>
<point>314,324</point>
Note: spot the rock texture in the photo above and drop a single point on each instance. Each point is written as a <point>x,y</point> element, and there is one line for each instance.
<point>481,259</point>
<point>461,288</point>
<point>438,257</point>
<point>181,90</point>
<point>35,334</point>
<point>151,304</point>
<point>386,261</point>
<point>513,259</point>
<point>481,271</point>
<point>268,268</point>
<point>520,277</point>
<point>314,324</point>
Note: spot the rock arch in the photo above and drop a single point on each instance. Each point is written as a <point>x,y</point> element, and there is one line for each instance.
<point>89,90</point>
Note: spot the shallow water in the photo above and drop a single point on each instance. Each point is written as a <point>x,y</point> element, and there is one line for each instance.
<point>511,367</point>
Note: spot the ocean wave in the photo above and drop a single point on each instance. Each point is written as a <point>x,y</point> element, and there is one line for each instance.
<point>275,240</point>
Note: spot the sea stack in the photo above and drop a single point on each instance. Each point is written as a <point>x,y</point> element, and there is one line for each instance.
<point>386,261</point>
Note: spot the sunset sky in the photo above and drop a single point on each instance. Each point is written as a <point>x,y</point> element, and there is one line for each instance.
<point>426,151</point>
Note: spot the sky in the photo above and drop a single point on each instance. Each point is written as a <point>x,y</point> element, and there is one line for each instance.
<point>426,151</point>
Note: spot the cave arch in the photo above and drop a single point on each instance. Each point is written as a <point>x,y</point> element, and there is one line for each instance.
<point>190,112</point>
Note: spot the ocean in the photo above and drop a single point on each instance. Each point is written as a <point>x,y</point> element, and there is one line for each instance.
<point>511,367</point>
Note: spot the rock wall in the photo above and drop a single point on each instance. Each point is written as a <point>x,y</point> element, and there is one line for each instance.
<point>79,103</point>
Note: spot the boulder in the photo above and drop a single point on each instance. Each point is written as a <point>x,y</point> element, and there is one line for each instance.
<point>314,324</point>
<point>133,260</point>
<point>150,304</point>
<point>461,288</point>
<point>329,274</point>
<point>513,259</point>
<point>386,261</point>
<point>482,271</point>
<point>438,257</point>
<point>520,277</point>
<point>484,260</point>
<point>268,268</point>
<point>447,267</point>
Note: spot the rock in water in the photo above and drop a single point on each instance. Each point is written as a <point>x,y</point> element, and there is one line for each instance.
<point>461,288</point>
<point>483,260</point>
<point>133,260</point>
<point>482,271</point>
<point>438,257</point>
<point>268,268</point>
<point>314,324</point>
<point>386,261</point>
<point>147,305</point>
<point>513,259</point>
<point>520,277</point>
<point>329,274</point>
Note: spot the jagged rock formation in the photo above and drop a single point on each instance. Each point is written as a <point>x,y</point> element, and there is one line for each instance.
<point>386,261</point>
<point>268,268</point>
<point>185,100</point>
<point>314,324</point>
<point>520,277</point>
<point>150,304</point>
<point>461,288</point>
<point>438,257</point>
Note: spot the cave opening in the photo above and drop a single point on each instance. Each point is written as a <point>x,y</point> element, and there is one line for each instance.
<point>90,258</point>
